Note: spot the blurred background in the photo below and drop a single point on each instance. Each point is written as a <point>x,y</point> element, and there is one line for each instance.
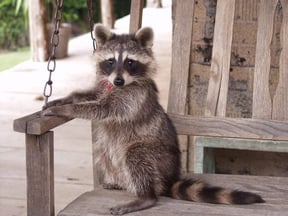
<point>16,19</point>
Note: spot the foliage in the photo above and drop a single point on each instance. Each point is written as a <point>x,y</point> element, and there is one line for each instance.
<point>22,4</point>
<point>121,8</point>
<point>14,18</point>
<point>10,59</point>
<point>72,10</point>
<point>12,26</point>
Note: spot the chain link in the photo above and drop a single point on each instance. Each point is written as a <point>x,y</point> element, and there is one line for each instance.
<point>91,22</point>
<point>54,42</point>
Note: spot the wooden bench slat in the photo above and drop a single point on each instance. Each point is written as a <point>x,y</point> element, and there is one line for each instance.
<point>262,106</point>
<point>180,67</point>
<point>273,190</point>
<point>280,100</point>
<point>36,124</point>
<point>181,56</point>
<point>216,100</point>
<point>230,127</point>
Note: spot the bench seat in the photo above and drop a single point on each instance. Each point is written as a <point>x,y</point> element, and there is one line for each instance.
<point>273,189</point>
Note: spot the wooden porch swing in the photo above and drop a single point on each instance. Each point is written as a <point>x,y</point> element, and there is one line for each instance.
<point>269,123</point>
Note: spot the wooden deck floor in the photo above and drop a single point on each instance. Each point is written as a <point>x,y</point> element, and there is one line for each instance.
<point>273,189</point>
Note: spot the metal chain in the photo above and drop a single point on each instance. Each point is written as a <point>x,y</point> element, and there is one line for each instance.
<point>91,23</point>
<point>54,41</point>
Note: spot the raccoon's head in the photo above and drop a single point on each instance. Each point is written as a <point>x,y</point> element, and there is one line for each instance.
<point>124,59</point>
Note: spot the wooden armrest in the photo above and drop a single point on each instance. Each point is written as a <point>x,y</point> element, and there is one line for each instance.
<point>35,124</point>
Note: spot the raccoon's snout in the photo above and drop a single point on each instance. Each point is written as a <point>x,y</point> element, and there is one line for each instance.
<point>118,81</point>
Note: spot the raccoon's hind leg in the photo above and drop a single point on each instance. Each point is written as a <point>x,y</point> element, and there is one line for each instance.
<point>142,172</point>
<point>139,204</point>
<point>110,186</point>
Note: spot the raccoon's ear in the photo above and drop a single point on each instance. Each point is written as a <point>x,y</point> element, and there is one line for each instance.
<point>102,34</point>
<point>145,37</point>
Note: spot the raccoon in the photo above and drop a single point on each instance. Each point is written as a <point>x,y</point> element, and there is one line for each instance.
<point>136,142</point>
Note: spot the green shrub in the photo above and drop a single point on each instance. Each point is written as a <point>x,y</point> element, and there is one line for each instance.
<point>14,18</point>
<point>13,33</point>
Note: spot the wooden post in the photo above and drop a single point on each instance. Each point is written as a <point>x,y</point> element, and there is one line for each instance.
<point>181,51</point>
<point>136,15</point>
<point>280,100</point>
<point>107,13</point>
<point>40,174</point>
<point>39,161</point>
<point>38,30</point>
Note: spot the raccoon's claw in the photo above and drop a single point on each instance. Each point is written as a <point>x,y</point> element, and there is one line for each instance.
<point>58,102</point>
<point>52,111</point>
<point>48,112</point>
<point>46,106</point>
<point>119,210</point>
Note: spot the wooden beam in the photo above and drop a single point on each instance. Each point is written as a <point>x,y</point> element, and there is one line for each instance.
<point>220,64</point>
<point>180,68</point>
<point>181,51</point>
<point>280,100</point>
<point>40,174</point>
<point>262,105</point>
<point>136,15</point>
<point>37,30</point>
<point>230,127</point>
<point>107,13</point>
<point>36,124</point>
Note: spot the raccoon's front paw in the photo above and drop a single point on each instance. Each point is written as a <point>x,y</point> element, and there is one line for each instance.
<point>52,111</point>
<point>64,111</point>
<point>53,103</point>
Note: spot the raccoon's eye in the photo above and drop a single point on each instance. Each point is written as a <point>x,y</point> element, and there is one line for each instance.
<point>130,62</point>
<point>110,61</point>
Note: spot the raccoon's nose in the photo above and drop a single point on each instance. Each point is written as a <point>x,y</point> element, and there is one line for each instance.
<point>118,81</point>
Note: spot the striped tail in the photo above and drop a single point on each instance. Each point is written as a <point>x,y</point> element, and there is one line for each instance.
<point>192,190</point>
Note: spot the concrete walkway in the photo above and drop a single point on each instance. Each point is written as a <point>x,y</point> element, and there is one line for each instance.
<point>21,85</point>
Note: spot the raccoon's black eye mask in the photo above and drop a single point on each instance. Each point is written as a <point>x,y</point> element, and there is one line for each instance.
<point>133,67</point>
<point>108,66</point>
<point>129,63</point>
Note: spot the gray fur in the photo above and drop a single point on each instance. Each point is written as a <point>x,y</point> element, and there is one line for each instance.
<point>136,143</point>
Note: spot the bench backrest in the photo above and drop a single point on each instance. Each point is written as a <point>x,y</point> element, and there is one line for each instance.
<point>265,109</point>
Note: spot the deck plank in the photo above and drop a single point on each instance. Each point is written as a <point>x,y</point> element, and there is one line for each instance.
<point>273,189</point>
